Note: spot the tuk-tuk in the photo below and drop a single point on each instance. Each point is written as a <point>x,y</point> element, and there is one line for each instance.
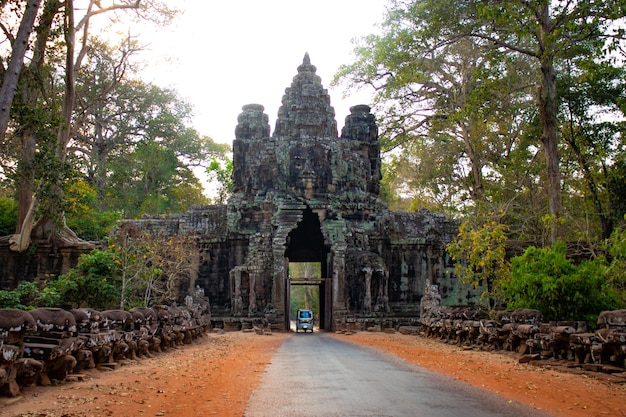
<point>304,320</point>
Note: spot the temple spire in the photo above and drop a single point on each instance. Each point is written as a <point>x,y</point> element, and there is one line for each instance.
<point>306,111</point>
<point>306,65</point>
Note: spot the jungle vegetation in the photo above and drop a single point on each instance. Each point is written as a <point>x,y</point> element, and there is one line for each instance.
<point>84,141</point>
<point>509,116</point>
<point>505,115</point>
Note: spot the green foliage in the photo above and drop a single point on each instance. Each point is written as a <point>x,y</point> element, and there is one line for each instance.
<point>54,293</point>
<point>456,88</point>
<point>591,91</point>
<point>616,185</point>
<point>24,297</point>
<point>28,295</point>
<point>8,216</point>
<point>94,281</point>
<point>83,215</point>
<point>152,180</point>
<point>221,171</point>
<point>9,299</point>
<point>480,255</point>
<point>304,296</point>
<point>135,141</point>
<point>93,225</point>
<point>544,279</point>
<point>616,272</point>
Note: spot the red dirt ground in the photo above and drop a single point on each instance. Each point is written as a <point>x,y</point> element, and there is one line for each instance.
<point>217,375</point>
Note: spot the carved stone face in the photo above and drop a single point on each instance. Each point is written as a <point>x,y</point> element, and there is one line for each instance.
<point>309,169</point>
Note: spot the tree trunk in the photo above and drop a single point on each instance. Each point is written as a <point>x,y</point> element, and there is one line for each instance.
<point>20,46</point>
<point>476,190</point>
<point>20,241</point>
<point>548,120</point>
<point>25,179</point>
<point>51,226</point>
<point>27,200</point>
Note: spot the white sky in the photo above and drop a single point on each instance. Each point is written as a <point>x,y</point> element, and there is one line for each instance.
<point>221,55</point>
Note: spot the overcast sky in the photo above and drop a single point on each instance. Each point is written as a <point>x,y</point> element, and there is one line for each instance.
<point>221,55</point>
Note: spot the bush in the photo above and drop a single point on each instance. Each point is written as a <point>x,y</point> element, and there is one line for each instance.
<point>544,279</point>
<point>92,283</point>
<point>9,299</point>
<point>93,226</point>
<point>24,297</point>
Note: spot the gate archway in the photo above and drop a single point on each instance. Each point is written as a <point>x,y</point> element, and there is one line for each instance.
<point>305,243</point>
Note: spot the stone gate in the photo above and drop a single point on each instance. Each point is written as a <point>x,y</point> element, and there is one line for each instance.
<point>304,193</point>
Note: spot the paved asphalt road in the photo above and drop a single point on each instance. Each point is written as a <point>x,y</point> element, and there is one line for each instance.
<point>316,375</point>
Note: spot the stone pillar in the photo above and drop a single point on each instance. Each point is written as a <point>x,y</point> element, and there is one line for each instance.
<point>252,298</point>
<point>430,302</point>
<point>367,301</point>
<point>339,277</point>
<point>237,301</point>
<point>385,274</point>
<point>279,293</point>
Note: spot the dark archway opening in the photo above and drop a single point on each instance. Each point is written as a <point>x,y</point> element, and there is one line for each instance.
<point>305,244</point>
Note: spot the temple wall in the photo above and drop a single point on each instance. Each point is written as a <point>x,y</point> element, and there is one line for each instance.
<point>38,262</point>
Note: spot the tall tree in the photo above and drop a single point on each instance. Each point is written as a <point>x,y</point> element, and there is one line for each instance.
<point>457,112</point>
<point>540,30</point>
<point>37,91</point>
<point>591,92</point>
<point>11,73</point>
<point>36,120</point>
<point>546,31</point>
<point>122,117</point>
<point>151,179</point>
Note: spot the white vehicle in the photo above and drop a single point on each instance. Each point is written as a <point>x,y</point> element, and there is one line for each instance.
<point>304,320</point>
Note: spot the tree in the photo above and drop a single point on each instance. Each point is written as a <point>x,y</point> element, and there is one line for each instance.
<point>591,93</point>
<point>481,260</point>
<point>8,215</point>
<point>616,272</point>
<point>221,171</point>
<point>546,32</point>
<point>457,112</point>
<point>152,267</point>
<point>541,31</point>
<point>616,185</point>
<point>128,124</point>
<point>11,73</point>
<point>84,215</point>
<point>35,121</point>
<point>151,179</point>
<point>95,280</point>
<point>59,98</point>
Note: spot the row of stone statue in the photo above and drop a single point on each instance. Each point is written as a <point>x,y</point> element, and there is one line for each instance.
<point>523,331</point>
<point>40,345</point>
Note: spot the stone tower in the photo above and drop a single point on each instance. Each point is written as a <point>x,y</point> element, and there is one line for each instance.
<point>306,194</point>
<point>300,193</point>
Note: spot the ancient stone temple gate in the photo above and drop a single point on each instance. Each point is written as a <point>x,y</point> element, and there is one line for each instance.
<point>306,194</point>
